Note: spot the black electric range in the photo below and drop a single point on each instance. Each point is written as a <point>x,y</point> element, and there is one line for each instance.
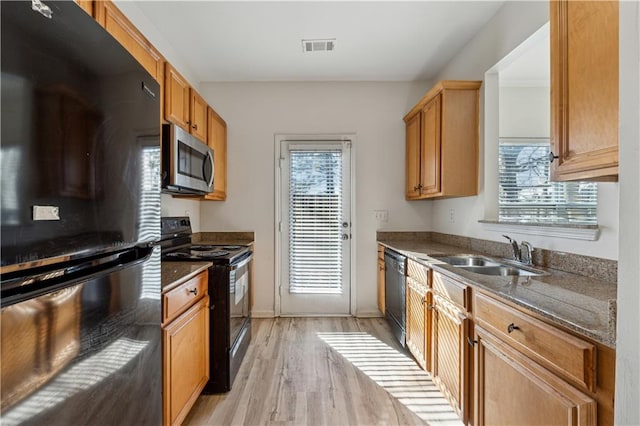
<point>176,245</point>
<point>229,290</point>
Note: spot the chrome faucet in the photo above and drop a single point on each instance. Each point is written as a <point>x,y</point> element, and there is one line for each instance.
<point>522,256</point>
<point>514,246</point>
<point>528,251</point>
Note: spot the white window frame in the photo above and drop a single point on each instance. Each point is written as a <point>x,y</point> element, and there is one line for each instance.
<point>311,138</point>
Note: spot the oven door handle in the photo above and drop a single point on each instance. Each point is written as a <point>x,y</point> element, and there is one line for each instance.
<point>242,263</point>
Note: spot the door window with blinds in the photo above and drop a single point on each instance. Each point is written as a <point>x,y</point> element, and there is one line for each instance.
<point>316,227</point>
<point>526,193</point>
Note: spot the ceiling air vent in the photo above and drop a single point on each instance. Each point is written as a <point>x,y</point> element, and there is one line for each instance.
<point>323,45</point>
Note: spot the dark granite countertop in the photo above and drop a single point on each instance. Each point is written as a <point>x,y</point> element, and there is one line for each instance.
<point>582,304</point>
<point>174,273</point>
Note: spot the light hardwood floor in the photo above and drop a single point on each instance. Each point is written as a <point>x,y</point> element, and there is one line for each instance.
<point>325,371</point>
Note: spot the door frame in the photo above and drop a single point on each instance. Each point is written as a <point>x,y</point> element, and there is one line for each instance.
<point>311,138</point>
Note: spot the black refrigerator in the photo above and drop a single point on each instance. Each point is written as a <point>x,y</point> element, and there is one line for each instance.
<point>80,215</point>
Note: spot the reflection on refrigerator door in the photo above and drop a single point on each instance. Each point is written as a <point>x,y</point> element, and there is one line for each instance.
<point>80,354</point>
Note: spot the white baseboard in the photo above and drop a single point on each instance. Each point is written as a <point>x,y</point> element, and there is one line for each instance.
<point>369,314</point>
<point>263,314</point>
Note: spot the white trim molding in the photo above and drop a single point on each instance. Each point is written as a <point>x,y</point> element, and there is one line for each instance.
<point>574,232</point>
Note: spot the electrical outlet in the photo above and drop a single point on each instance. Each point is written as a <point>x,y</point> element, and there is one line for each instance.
<point>452,216</point>
<point>186,213</point>
<point>382,215</point>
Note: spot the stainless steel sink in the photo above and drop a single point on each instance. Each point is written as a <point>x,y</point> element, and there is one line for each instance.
<point>467,260</point>
<point>501,270</point>
<point>487,266</point>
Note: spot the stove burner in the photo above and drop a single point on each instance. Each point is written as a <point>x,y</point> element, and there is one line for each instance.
<point>178,255</point>
<point>213,254</point>
<point>231,247</point>
<point>203,248</point>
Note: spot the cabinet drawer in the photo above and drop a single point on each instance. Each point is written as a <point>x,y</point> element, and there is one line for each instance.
<point>177,300</point>
<point>456,291</point>
<point>418,272</point>
<point>559,351</point>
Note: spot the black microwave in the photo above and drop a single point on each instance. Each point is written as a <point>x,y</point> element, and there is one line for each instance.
<point>187,163</point>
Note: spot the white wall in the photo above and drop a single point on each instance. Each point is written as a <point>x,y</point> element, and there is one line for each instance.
<point>524,112</point>
<point>627,409</point>
<point>170,206</point>
<point>512,25</point>
<point>255,112</point>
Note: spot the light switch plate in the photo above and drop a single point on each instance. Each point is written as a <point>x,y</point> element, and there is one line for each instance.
<point>382,215</point>
<point>46,213</point>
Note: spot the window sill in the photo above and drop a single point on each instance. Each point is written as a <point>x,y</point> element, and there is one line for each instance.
<point>575,232</point>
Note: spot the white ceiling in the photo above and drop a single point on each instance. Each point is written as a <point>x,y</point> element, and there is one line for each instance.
<point>261,41</point>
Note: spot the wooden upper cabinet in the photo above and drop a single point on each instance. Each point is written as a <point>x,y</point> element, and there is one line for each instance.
<point>87,5</point>
<point>584,90</point>
<point>176,98</point>
<point>198,114</point>
<point>444,163</point>
<point>430,147</point>
<point>183,106</point>
<point>412,190</point>
<point>217,140</point>
<point>114,21</point>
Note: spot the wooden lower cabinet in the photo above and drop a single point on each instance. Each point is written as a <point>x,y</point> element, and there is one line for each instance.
<point>451,354</point>
<point>381,280</point>
<point>186,353</point>
<point>416,326</point>
<point>511,389</point>
<point>185,343</point>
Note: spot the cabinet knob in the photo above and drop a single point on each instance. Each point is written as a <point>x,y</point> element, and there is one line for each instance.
<point>194,291</point>
<point>195,127</point>
<point>512,327</point>
<point>552,156</point>
<point>430,307</point>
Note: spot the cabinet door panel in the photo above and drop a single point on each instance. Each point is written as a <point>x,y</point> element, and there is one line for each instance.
<point>186,359</point>
<point>176,98</point>
<point>217,140</point>
<point>198,114</point>
<point>381,299</point>
<point>451,354</point>
<point>416,321</point>
<point>430,147</point>
<point>412,182</point>
<point>584,89</point>
<point>513,390</point>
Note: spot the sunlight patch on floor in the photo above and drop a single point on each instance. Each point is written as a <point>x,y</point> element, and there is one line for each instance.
<point>396,373</point>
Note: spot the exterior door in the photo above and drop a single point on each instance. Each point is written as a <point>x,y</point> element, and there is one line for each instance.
<point>315,228</point>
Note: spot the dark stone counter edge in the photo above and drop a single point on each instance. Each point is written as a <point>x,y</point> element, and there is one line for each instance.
<point>195,269</point>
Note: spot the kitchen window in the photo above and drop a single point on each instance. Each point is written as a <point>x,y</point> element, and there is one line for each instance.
<point>526,194</point>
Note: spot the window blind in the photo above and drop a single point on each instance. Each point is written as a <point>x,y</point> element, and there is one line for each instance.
<point>527,195</point>
<point>315,221</point>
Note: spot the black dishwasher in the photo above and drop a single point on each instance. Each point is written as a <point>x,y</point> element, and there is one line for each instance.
<point>394,283</point>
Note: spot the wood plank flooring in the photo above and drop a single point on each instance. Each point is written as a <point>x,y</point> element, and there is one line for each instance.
<point>325,371</point>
